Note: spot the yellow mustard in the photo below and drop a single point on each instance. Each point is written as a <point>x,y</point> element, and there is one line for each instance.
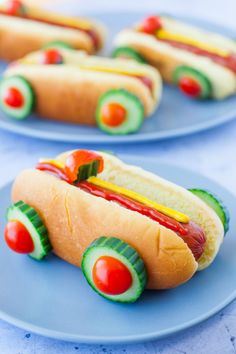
<point>163,34</point>
<point>139,198</point>
<point>110,70</point>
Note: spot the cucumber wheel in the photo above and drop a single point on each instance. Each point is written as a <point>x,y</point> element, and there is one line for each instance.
<point>114,269</point>
<point>216,204</point>
<point>26,226</point>
<point>119,112</point>
<point>16,97</point>
<point>192,82</point>
<point>57,45</point>
<point>128,53</point>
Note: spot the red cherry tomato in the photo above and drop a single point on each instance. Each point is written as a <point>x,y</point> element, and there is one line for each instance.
<point>113,114</point>
<point>13,97</point>
<point>14,7</point>
<point>79,158</point>
<point>111,276</point>
<point>151,24</point>
<point>18,237</point>
<point>51,56</point>
<point>190,87</point>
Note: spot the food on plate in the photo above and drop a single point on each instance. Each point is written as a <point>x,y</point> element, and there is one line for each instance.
<point>202,64</point>
<point>128,229</point>
<point>24,29</point>
<point>68,85</point>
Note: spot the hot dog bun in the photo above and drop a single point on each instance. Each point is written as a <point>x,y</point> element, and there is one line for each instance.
<point>20,36</point>
<point>75,218</point>
<point>106,65</point>
<point>169,194</point>
<point>167,58</point>
<point>81,89</point>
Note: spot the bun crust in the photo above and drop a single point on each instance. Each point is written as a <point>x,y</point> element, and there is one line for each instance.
<point>79,89</point>
<point>75,218</point>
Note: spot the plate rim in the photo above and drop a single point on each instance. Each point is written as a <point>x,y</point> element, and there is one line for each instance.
<point>132,138</point>
<point>137,338</point>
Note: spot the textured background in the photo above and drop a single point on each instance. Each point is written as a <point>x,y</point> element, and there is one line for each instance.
<point>212,153</point>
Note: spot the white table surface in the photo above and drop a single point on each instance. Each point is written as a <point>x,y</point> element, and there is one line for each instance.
<point>212,153</point>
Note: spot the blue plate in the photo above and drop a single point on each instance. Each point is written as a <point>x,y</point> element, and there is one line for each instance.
<point>52,297</point>
<point>177,115</point>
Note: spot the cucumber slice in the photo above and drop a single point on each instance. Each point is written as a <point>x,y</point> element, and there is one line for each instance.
<point>57,44</point>
<point>128,53</point>
<point>201,79</point>
<point>216,204</point>
<point>24,87</point>
<point>133,106</point>
<point>31,220</point>
<point>88,170</point>
<point>114,247</point>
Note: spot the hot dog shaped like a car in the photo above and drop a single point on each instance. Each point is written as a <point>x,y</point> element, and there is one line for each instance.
<point>70,86</point>
<point>127,228</point>
<point>201,63</point>
<point>24,29</point>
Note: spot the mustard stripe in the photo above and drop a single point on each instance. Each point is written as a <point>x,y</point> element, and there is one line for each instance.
<point>163,34</point>
<point>137,197</point>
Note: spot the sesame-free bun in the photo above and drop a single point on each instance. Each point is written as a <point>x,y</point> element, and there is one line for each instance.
<point>75,218</point>
<point>167,58</point>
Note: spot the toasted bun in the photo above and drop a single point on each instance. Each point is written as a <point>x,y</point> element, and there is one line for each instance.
<point>79,89</point>
<point>169,194</point>
<point>167,58</point>
<point>99,64</point>
<point>20,37</point>
<point>75,218</point>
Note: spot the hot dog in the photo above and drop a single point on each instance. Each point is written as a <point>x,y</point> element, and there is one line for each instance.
<point>71,86</point>
<point>25,29</point>
<point>201,63</point>
<point>82,196</point>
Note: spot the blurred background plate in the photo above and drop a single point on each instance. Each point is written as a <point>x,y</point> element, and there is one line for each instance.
<point>53,299</point>
<point>177,115</point>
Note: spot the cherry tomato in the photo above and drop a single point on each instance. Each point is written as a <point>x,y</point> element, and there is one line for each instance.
<point>111,276</point>
<point>113,114</point>
<point>51,56</point>
<point>79,158</point>
<point>14,7</point>
<point>151,24</point>
<point>190,87</point>
<point>13,97</point>
<point>146,81</point>
<point>18,237</point>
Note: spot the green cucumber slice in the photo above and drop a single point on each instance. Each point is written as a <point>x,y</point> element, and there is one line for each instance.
<point>128,53</point>
<point>133,106</point>
<point>29,217</point>
<point>57,44</point>
<point>203,81</point>
<point>216,204</point>
<point>88,170</point>
<point>25,89</point>
<point>114,247</point>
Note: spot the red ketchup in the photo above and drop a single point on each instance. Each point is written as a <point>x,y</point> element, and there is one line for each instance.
<point>228,62</point>
<point>190,232</point>
<point>146,81</point>
<point>14,11</point>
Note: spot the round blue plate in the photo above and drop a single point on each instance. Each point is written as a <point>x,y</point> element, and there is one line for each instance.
<point>176,116</point>
<point>52,297</point>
